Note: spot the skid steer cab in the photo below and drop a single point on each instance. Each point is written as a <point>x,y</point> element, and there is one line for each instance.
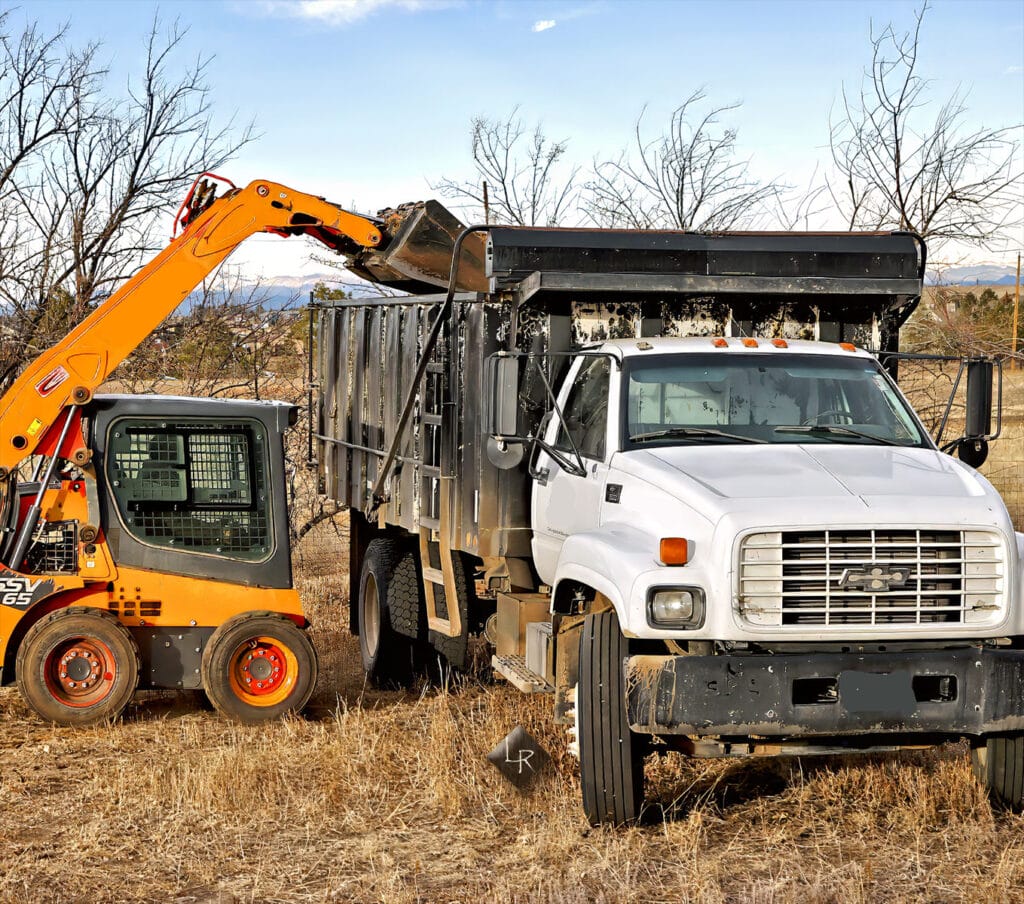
<point>145,546</point>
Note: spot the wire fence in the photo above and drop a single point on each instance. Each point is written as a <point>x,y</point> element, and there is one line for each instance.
<point>928,384</point>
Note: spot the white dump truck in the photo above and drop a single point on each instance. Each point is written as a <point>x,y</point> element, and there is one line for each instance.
<point>659,474</point>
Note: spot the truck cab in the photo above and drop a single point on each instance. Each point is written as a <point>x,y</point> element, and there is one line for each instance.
<point>795,491</point>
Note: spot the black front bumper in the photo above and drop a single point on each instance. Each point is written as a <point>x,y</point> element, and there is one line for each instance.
<point>965,691</point>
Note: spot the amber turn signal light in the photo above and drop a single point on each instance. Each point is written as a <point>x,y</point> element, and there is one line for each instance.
<point>674,551</point>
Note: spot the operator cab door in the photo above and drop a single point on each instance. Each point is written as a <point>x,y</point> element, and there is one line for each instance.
<point>565,503</point>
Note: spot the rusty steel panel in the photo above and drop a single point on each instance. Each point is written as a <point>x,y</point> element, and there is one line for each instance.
<point>374,396</point>
<point>343,406</point>
<point>357,435</point>
<point>407,483</point>
<point>326,350</point>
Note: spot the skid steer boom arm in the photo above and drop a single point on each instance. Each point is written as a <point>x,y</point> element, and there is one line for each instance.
<point>69,372</point>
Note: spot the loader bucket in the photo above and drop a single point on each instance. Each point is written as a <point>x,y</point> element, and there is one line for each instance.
<point>417,256</point>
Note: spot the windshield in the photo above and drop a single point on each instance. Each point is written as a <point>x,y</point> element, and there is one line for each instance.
<point>776,398</point>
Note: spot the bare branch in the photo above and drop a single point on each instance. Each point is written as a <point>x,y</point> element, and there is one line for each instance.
<point>688,178</point>
<point>528,182</point>
<point>897,167</point>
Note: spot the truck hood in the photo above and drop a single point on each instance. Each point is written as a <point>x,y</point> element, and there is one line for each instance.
<point>873,474</point>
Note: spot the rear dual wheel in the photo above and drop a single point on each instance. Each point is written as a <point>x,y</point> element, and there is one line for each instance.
<point>78,666</point>
<point>390,614</point>
<point>258,666</point>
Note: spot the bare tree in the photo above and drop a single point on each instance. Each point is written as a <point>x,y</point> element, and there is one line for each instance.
<point>687,178</point>
<point>86,176</point>
<point>527,180</point>
<point>902,167</point>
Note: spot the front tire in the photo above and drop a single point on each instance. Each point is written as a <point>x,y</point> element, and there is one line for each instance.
<point>390,613</point>
<point>78,666</point>
<point>611,756</point>
<point>258,666</point>
<point>999,766</point>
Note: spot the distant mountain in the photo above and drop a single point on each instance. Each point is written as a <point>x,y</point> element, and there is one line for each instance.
<point>277,292</point>
<point>977,275</point>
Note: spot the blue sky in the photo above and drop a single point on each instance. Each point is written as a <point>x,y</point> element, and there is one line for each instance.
<point>368,101</point>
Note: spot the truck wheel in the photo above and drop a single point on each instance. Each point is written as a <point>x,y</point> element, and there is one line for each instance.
<point>999,766</point>
<point>78,666</point>
<point>258,666</point>
<point>390,612</point>
<point>611,756</point>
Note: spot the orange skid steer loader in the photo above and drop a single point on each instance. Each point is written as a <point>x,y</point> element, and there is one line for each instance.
<point>145,539</point>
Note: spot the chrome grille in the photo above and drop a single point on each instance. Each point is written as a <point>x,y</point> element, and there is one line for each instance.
<point>871,577</point>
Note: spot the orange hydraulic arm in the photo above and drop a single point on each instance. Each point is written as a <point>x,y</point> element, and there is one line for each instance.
<point>70,371</point>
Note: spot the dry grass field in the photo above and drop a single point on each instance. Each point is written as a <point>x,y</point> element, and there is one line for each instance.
<point>387,797</point>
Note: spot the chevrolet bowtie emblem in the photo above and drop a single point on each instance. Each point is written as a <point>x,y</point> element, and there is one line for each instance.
<point>874,578</point>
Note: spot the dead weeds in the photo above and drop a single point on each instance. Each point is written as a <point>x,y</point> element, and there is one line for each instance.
<point>386,796</point>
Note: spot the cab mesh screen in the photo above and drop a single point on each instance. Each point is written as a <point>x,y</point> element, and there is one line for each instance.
<point>195,487</point>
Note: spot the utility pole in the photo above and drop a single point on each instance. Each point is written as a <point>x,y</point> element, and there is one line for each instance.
<point>1016,313</point>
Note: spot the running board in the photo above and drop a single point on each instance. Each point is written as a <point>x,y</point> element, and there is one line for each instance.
<point>514,670</point>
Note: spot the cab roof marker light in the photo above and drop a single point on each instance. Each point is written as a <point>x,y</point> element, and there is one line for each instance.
<point>848,346</point>
<point>719,343</point>
<point>780,343</point>
<point>674,551</point>
<point>750,343</point>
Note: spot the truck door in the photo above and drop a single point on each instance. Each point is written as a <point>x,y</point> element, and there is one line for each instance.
<point>565,503</point>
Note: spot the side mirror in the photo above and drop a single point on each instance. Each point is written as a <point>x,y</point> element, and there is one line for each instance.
<point>501,397</point>
<point>979,401</point>
<point>972,451</point>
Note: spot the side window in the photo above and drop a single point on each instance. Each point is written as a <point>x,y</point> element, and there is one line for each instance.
<point>586,411</point>
<point>192,487</point>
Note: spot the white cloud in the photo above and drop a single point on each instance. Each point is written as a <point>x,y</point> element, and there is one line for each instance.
<point>1013,70</point>
<point>344,12</point>
<point>544,24</point>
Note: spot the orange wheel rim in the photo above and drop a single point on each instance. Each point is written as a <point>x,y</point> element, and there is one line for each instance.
<point>263,671</point>
<point>80,671</point>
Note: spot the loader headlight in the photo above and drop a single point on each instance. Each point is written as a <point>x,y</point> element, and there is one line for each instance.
<point>675,607</point>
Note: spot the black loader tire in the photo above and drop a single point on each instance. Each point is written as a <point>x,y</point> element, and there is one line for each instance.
<point>390,612</point>
<point>999,766</point>
<point>611,756</point>
<point>257,666</point>
<point>78,666</point>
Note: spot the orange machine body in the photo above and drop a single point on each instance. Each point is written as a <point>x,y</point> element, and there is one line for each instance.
<point>147,544</point>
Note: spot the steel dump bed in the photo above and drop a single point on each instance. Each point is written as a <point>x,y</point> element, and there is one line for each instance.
<point>542,292</point>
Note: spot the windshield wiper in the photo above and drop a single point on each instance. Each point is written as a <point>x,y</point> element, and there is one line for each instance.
<point>694,433</point>
<point>818,429</point>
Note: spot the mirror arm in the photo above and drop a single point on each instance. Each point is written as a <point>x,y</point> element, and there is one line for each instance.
<point>577,468</point>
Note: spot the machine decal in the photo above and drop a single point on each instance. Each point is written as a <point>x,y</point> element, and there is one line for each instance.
<point>19,592</point>
<point>52,380</point>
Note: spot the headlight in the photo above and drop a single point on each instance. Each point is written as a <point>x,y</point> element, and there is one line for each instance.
<point>676,607</point>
